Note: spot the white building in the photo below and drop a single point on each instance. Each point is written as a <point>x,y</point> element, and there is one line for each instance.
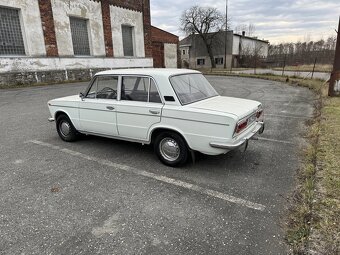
<point>194,53</point>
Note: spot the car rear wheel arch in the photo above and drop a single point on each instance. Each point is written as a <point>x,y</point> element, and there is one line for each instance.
<point>158,131</point>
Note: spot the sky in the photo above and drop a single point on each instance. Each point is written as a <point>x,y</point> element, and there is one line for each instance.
<point>277,21</point>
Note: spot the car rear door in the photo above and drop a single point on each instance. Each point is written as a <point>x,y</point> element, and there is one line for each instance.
<point>139,108</point>
<point>97,110</point>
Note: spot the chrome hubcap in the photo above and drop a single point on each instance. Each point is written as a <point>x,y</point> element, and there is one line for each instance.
<point>65,128</point>
<point>169,149</point>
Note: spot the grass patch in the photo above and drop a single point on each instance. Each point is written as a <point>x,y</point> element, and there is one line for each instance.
<point>306,68</point>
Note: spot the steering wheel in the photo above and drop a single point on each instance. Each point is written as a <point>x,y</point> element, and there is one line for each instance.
<point>107,90</point>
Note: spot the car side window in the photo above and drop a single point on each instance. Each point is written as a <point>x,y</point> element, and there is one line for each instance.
<point>107,87</point>
<point>140,89</point>
<point>153,94</point>
<point>135,88</point>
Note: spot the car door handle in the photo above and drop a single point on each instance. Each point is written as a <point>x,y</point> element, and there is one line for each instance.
<point>110,108</point>
<point>154,111</point>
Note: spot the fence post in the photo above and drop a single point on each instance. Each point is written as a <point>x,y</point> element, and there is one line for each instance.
<point>284,65</point>
<point>334,82</point>
<point>313,68</point>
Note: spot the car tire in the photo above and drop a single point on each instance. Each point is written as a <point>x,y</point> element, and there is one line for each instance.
<point>171,149</point>
<point>65,129</point>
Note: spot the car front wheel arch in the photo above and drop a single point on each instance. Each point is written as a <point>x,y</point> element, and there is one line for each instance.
<point>65,128</point>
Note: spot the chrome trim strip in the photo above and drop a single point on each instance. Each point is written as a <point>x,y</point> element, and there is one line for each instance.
<point>259,128</point>
<point>116,137</point>
<point>201,121</point>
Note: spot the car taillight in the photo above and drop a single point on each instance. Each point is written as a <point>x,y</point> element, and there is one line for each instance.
<point>241,125</point>
<point>259,113</point>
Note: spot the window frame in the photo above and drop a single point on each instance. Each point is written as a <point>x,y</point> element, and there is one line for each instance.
<point>94,82</point>
<point>119,88</point>
<point>22,31</point>
<point>87,21</point>
<point>149,86</point>
<point>203,59</point>
<point>219,58</point>
<point>133,40</point>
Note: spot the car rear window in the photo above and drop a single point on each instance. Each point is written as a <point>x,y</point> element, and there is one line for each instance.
<point>192,88</point>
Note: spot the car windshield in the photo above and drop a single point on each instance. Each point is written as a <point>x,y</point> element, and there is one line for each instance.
<point>192,88</point>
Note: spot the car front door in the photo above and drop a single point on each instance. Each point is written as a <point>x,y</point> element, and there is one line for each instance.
<point>139,108</point>
<point>97,110</point>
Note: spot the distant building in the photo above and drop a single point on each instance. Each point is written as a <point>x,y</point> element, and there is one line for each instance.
<point>164,48</point>
<point>56,40</point>
<point>194,54</point>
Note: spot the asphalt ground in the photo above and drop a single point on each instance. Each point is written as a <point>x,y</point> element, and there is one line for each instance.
<point>102,196</point>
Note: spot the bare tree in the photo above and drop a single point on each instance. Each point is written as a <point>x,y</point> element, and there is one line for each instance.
<point>252,55</point>
<point>248,29</point>
<point>207,22</point>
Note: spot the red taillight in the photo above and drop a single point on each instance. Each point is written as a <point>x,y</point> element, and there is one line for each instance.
<point>241,125</point>
<point>259,113</point>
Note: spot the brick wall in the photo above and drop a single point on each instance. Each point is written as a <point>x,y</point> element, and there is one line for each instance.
<point>158,54</point>
<point>135,5</point>
<point>47,22</point>
<point>147,28</point>
<point>159,37</point>
<point>107,27</point>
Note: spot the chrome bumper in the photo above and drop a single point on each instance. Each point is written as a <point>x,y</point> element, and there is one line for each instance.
<point>51,119</point>
<point>259,128</point>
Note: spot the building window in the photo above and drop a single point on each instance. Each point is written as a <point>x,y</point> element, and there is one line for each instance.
<point>127,34</point>
<point>11,41</point>
<point>183,52</point>
<point>200,61</point>
<point>80,37</point>
<point>219,61</point>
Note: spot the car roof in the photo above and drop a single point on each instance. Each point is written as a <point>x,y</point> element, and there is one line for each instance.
<point>148,71</point>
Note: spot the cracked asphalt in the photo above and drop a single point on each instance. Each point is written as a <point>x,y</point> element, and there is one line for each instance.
<point>89,197</point>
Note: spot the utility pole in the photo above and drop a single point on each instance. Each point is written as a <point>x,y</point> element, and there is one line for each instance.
<point>225,36</point>
<point>334,82</point>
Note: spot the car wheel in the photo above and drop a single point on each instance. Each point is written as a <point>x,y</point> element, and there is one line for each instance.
<point>65,129</point>
<point>171,149</point>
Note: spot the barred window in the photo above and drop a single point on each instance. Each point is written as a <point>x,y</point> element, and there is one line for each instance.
<point>200,61</point>
<point>127,40</point>
<point>11,41</point>
<point>219,61</point>
<point>80,37</point>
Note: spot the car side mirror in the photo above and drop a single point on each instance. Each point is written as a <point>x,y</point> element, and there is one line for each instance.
<point>81,95</point>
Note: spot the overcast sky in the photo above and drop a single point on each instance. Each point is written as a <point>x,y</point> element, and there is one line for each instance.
<point>276,21</point>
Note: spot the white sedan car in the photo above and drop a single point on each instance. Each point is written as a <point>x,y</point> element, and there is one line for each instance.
<point>176,110</point>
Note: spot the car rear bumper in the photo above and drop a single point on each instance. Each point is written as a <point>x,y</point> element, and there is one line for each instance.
<point>259,128</point>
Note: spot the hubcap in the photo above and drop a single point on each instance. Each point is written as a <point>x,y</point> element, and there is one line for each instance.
<point>169,149</point>
<point>65,128</point>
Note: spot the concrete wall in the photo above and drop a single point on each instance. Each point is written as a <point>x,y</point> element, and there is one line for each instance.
<point>119,17</point>
<point>17,71</point>
<point>31,27</point>
<point>90,10</point>
<point>170,55</point>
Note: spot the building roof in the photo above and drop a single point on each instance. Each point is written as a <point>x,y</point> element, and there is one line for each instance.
<point>252,38</point>
<point>188,40</point>
<point>159,35</point>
